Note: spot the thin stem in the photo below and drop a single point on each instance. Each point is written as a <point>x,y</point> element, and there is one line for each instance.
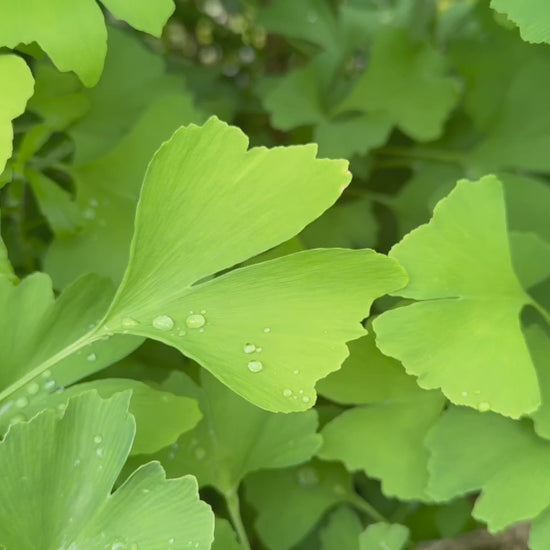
<point>37,371</point>
<point>368,509</point>
<point>234,508</point>
<point>543,312</point>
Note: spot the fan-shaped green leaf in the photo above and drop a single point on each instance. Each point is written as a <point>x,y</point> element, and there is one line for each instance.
<point>464,332</point>
<point>398,64</point>
<point>202,184</point>
<point>74,34</point>
<point>161,417</point>
<point>58,474</point>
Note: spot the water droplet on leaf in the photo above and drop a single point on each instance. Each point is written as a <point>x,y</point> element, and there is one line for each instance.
<point>91,357</point>
<point>483,406</point>
<point>307,476</point>
<point>98,439</point>
<point>249,348</point>
<point>267,330</point>
<point>200,453</point>
<point>287,392</point>
<point>255,366</point>
<point>21,402</point>
<point>163,322</point>
<point>195,320</point>
<point>33,388</point>
<point>128,322</point>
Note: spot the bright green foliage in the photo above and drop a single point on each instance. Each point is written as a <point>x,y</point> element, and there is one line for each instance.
<point>39,350</point>
<point>59,454</point>
<point>397,65</point>
<point>518,139</point>
<point>290,502</point>
<point>235,438</point>
<point>161,417</point>
<point>121,98</point>
<point>73,33</point>
<point>503,458</point>
<point>231,312</point>
<point>531,16</point>
<point>17,88</point>
<point>384,536</point>
<point>342,530</point>
<point>213,322</point>
<point>107,193</point>
<point>385,436</point>
<point>464,331</point>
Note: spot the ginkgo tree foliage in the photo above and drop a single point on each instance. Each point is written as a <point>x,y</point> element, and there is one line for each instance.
<point>274,275</point>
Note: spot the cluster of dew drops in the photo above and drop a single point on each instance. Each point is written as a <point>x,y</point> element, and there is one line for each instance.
<point>31,391</point>
<point>198,322</point>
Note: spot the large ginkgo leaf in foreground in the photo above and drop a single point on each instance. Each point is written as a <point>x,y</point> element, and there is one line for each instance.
<point>464,334</point>
<point>17,88</point>
<point>73,33</point>
<point>269,331</point>
<point>57,477</point>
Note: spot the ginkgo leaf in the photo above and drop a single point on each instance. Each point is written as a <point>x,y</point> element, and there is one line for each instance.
<point>17,88</point>
<point>290,502</point>
<point>518,136</point>
<point>74,34</point>
<point>503,458</point>
<point>107,193</point>
<point>385,436</point>
<point>235,437</point>
<point>384,536</point>
<point>464,332</point>
<point>244,326</point>
<point>38,336</point>
<point>309,20</point>
<point>58,474</point>
<point>397,64</point>
<point>161,417</point>
<point>531,16</point>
